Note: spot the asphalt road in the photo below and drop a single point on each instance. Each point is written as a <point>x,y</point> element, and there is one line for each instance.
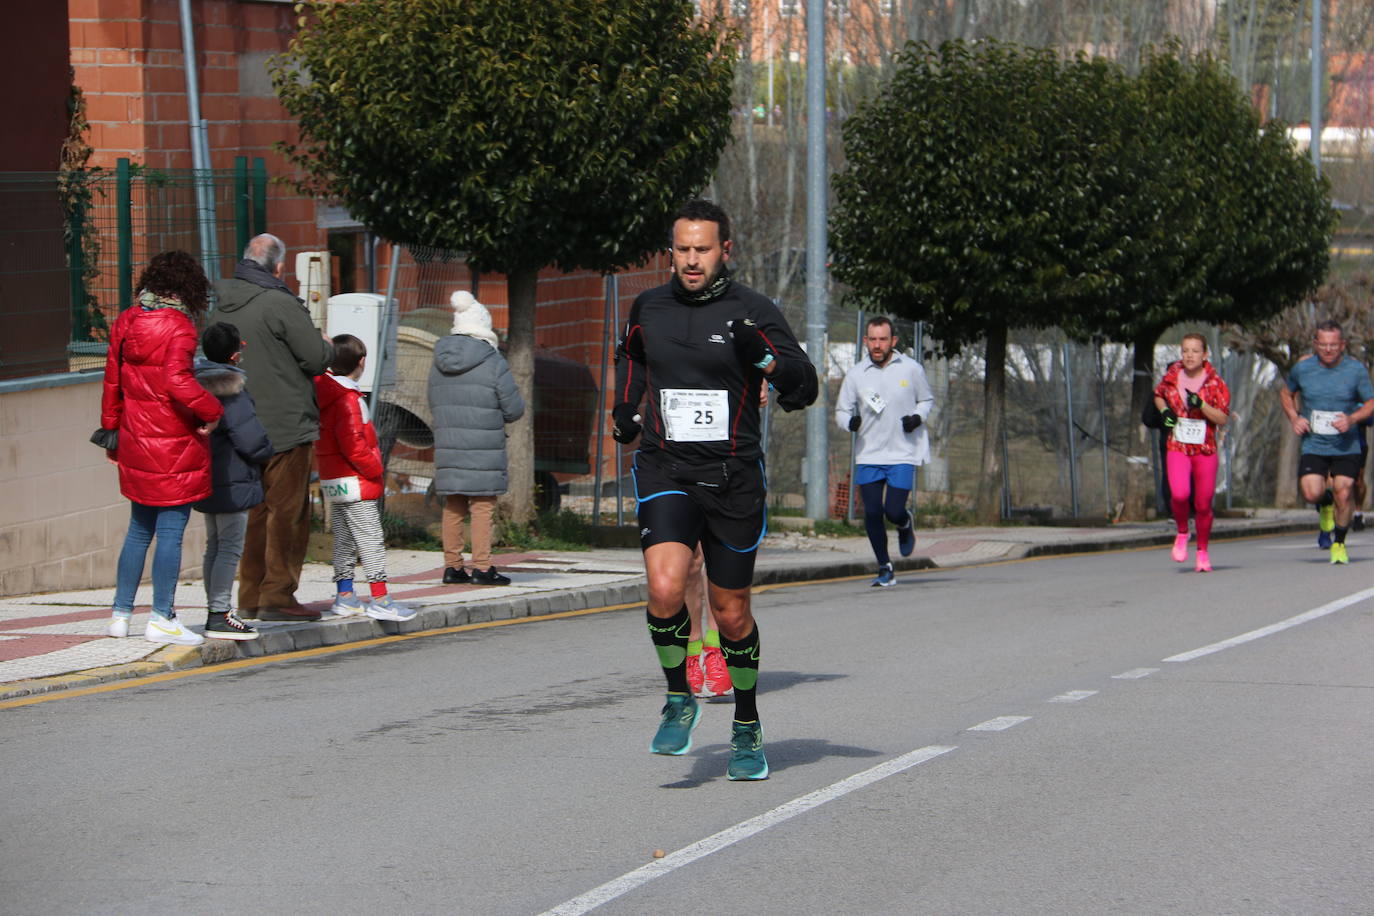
<point>1027,737</point>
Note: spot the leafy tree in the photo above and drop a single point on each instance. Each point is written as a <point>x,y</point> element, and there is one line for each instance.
<point>523,134</point>
<point>1229,223</point>
<point>979,196</point>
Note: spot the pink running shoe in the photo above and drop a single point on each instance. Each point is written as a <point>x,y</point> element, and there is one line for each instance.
<point>696,676</point>
<point>1203,563</point>
<point>1180,553</point>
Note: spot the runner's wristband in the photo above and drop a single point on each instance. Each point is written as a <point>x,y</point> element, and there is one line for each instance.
<point>765,362</point>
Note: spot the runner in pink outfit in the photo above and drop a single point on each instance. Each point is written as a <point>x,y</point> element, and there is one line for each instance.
<point>1194,402</point>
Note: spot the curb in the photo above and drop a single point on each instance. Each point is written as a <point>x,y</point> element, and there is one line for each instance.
<point>296,637</point>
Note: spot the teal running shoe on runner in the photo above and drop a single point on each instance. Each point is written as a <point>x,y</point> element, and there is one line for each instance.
<point>680,715</point>
<point>746,752</point>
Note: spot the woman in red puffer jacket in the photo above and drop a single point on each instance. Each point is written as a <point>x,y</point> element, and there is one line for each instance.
<point>164,418</point>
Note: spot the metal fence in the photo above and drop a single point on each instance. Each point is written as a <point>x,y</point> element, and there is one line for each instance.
<point>70,245</point>
<point>1067,449</point>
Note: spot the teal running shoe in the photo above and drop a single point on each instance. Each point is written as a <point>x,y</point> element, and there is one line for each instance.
<point>680,715</point>
<point>746,752</point>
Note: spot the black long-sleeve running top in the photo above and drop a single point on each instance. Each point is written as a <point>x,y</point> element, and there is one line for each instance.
<point>702,403</point>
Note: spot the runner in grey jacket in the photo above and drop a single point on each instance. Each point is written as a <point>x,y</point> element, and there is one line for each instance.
<point>885,400</point>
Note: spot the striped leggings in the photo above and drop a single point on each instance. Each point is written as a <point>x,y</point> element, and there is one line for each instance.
<point>357,529</point>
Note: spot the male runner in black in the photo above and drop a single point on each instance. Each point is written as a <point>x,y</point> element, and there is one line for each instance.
<point>699,346</point>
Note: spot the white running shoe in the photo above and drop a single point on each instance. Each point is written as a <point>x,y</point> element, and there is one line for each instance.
<point>347,606</point>
<point>384,608</point>
<point>170,632</point>
<point>118,628</point>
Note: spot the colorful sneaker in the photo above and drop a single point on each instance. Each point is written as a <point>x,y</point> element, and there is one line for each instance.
<point>384,608</point>
<point>119,627</point>
<point>906,537</point>
<point>347,605</point>
<point>1180,551</point>
<point>1204,563</point>
<point>169,631</point>
<point>226,625</point>
<point>1338,554</point>
<point>1324,540</point>
<point>717,673</point>
<point>885,577</point>
<point>680,714</point>
<point>696,676</point>
<point>746,752</point>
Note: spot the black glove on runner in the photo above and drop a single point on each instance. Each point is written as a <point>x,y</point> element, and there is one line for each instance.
<point>910,422</point>
<point>1194,400</point>
<point>626,426</point>
<point>855,422</point>
<point>1168,418</point>
<point>749,343</point>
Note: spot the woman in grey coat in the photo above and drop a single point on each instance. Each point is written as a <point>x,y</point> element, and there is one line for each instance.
<point>472,396</point>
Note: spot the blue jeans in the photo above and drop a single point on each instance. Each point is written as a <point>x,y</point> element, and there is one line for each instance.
<point>166,524</point>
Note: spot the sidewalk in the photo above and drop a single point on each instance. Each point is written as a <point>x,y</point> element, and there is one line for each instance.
<point>56,641</point>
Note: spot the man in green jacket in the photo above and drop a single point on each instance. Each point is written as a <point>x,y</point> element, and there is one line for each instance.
<point>283,351</point>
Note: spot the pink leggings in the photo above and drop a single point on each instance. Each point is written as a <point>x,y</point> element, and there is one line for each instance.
<point>1195,476</point>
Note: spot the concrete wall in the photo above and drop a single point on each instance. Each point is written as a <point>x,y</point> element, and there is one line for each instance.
<point>62,520</point>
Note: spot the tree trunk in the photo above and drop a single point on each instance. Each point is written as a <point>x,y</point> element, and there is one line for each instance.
<point>1139,478</point>
<point>521,289</point>
<point>1286,477</point>
<point>988,510</point>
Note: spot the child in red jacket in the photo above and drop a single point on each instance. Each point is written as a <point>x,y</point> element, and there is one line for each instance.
<point>350,465</point>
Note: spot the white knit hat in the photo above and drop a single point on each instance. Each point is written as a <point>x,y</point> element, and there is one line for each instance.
<point>471,318</point>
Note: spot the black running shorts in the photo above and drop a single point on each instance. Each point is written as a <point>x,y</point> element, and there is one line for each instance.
<point>1335,465</point>
<point>720,504</point>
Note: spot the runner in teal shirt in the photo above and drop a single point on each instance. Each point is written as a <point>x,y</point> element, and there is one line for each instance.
<point>1336,395</point>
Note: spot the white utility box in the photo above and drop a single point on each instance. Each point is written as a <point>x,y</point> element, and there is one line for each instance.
<point>361,315</point>
<point>312,273</point>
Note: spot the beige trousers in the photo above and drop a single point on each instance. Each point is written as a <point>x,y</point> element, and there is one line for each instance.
<point>456,507</point>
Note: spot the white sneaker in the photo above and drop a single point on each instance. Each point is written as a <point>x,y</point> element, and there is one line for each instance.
<point>346,606</point>
<point>118,628</point>
<point>385,609</point>
<point>170,632</point>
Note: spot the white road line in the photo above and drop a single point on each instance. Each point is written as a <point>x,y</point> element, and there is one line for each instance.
<point>1134,674</point>
<point>741,831</point>
<point>1329,608</point>
<point>1072,696</point>
<point>999,724</point>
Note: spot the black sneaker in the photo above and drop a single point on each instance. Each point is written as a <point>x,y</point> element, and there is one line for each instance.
<point>228,626</point>
<point>456,576</point>
<point>1357,523</point>
<point>490,577</point>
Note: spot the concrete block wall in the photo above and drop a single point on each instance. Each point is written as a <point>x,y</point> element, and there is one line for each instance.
<point>62,520</point>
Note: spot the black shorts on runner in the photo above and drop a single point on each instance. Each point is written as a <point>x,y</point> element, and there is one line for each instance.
<point>720,504</point>
<point>1335,465</point>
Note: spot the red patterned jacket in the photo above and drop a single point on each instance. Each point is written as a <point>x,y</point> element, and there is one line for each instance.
<point>1213,391</point>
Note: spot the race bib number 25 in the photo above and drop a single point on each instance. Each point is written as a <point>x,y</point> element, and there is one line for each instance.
<point>693,415</point>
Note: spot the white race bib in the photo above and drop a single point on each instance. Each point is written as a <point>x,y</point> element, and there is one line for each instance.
<point>1324,422</point>
<point>341,490</point>
<point>1190,432</point>
<point>694,415</point>
<point>873,399</point>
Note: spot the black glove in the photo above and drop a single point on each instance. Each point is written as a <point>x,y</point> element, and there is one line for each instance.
<point>626,422</point>
<point>1168,418</point>
<point>1194,400</point>
<point>750,346</point>
<point>910,422</point>
<point>855,422</point>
